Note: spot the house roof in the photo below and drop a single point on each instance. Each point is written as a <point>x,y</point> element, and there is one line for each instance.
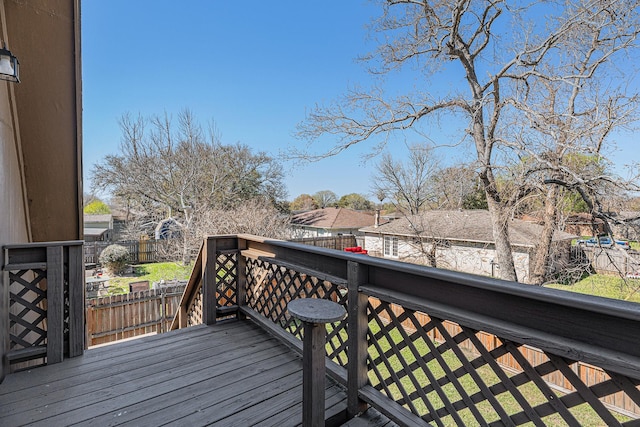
<point>333,218</point>
<point>95,232</point>
<point>97,218</point>
<point>466,225</point>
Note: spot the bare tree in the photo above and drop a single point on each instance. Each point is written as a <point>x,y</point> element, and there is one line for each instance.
<point>325,198</point>
<point>497,47</point>
<point>407,184</point>
<point>168,170</point>
<point>568,120</point>
<point>458,187</point>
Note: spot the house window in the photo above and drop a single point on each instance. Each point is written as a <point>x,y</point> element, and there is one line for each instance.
<point>391,246</point>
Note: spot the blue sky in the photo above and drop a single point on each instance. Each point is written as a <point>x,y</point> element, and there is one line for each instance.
<point>254,67</point>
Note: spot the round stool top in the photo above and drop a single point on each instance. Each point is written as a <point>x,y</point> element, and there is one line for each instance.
<point>316,310</point>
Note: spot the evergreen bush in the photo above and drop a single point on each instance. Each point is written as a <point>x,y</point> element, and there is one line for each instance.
<point>114,258</point>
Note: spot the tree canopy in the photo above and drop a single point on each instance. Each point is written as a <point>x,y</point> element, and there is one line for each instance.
<point>304,202</point>
<point>356,202</point>
<point>97,207</point>
<point>325,198</point>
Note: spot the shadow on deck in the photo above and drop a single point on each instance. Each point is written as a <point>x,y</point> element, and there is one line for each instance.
<point>232,373</point>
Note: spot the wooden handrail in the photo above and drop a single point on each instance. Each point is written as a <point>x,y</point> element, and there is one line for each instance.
<point>190,291</point>
<point>565,326</point>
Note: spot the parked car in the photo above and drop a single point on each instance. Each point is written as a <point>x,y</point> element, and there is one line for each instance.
<point>605,242</point>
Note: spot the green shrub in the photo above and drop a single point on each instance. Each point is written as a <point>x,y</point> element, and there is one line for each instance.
<point>114,258</point>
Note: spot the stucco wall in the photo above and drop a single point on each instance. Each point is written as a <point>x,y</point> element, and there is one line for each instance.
<point>467,257</point>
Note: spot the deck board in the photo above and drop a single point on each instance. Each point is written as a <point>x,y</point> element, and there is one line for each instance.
<point>110,372</point>
<point>227,374</point>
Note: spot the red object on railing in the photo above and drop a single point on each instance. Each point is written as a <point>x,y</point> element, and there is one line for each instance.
<point>356,250</point>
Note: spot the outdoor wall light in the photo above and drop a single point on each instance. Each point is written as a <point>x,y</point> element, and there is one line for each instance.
<point>9,66</point>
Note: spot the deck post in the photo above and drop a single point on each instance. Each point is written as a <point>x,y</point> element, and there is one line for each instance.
<point>314,314</point>
<point>4,318</point>
<point>241,277</point>
<point>76,301</point>
<point>209,281</point>
<point>357,274</point>
<point>55,304</point>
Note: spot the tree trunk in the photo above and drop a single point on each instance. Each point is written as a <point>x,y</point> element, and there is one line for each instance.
<point>543,250</point>
<point>500,224</point>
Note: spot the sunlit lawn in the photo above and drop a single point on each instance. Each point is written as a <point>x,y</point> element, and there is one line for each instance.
<point>601,285</point>
<point>154,272</point>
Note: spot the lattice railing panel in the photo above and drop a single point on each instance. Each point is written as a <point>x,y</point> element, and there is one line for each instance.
<point>270,287</point>
<point>28,308</point>
<point>227,275</point>
<point>194,311</point>
<point>453,375</point>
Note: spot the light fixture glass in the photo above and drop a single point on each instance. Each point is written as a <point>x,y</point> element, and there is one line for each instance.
<point>9,66</point>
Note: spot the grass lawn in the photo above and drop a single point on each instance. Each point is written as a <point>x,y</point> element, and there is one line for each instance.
<point>605,286</point>
<point>152,272</point>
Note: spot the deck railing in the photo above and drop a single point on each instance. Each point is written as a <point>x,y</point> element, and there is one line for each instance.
<point>42,297</point>
<point>424,345</point>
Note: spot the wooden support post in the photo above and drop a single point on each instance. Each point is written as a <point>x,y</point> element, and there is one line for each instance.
<point>314,314</point>
<point>313,374</point>
<point>182,316</point>
<point>55,304</point>
<point>241,277</point>
<point>357,327</point>
<point>209,282</point>
<point>76,301</point>
<point>4,319</point>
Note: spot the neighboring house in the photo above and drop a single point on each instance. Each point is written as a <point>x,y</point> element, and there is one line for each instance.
<point>583,224</point>
<point>330,222</point>
<point>461,241</point>
<point>98,228</point>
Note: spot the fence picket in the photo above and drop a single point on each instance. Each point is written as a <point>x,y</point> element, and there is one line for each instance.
<point>125,316</point>
<point>143,251</point>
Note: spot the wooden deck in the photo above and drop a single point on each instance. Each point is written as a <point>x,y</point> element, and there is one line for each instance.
<point>230,374</point>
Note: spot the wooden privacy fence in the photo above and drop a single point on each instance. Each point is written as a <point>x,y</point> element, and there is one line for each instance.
<point>608,261</point>
<point>330,242</point>
<point>137,313</point>
<point>139,251</point>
